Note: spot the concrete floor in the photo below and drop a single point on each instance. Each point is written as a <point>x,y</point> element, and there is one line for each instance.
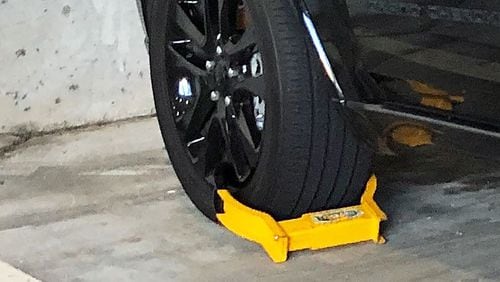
<point>104,204</point>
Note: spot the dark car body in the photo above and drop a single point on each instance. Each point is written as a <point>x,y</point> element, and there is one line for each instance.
<point>415,71</point>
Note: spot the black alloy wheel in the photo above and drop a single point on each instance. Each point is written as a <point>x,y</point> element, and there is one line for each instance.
<point>216,87</point>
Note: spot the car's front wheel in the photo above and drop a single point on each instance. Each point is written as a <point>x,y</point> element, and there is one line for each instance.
<point>243,104</point>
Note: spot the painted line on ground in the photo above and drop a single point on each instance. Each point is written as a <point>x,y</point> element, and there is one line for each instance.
<point>12,274</point>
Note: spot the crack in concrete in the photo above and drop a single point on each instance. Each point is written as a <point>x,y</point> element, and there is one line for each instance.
<point>12,147</point>
<point>26,135</point>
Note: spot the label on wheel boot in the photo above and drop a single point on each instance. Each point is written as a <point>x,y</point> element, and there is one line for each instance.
<point>336,215</point>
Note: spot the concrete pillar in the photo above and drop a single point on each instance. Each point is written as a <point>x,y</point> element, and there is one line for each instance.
<point>71,62</point>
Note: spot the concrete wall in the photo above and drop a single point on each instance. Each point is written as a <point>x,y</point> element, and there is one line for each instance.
<point>71,62</point>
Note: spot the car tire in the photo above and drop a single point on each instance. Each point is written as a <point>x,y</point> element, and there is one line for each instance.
<point>309,157</point>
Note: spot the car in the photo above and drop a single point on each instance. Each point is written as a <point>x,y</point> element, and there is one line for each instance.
<point>286,102</point>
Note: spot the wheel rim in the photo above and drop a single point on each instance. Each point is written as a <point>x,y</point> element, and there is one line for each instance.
<point>216,85</point>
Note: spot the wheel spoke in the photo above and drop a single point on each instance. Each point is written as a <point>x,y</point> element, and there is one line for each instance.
<point>250,84</point>
<point>228,11</point>
<point>209,151</point>
<point>198,150</point>
<point>179,61</point>
<point>212,20</point>
<point>188,40</point>
<point>186,26</point>
<point>245,44</point>
<point>247,142</point>
<point>244,156</point>
<point>198,118</point>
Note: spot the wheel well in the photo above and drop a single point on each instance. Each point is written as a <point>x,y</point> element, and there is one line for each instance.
<point>142,5</point>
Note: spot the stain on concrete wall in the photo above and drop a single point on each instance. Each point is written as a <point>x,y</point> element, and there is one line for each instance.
<point>71,62</point>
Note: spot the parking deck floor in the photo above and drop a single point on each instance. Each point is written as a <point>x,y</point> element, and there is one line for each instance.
<point>104,204</point>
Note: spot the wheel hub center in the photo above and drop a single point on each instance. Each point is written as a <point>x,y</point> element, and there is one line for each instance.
<point>221,69</point>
